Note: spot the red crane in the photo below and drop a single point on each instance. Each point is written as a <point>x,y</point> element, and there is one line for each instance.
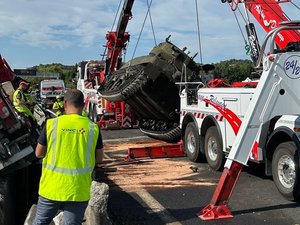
<point>269,14</point>
<point>117,40</point>
<point>116,43</point>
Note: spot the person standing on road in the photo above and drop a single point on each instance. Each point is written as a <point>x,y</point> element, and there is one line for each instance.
<point>58,106</point>
<point>70,145</point>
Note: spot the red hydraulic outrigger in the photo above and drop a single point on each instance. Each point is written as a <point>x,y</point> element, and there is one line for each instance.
<point>263,105</point>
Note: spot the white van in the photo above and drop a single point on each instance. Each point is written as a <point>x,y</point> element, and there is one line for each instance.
<point>52,88</point>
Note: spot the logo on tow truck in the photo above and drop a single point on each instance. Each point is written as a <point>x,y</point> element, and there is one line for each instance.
<point>292,67</point>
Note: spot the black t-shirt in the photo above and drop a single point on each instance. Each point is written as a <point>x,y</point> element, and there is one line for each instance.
<point>43,139</point>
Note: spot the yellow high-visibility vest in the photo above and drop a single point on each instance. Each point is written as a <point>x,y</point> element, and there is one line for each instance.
<point>22,108</point>
<point>58,106</point>
<point>70,158</point>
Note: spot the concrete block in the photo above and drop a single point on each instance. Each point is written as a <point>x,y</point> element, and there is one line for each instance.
<point>95,214</point>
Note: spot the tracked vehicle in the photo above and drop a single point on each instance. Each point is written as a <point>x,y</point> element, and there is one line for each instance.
<point>148,85</point>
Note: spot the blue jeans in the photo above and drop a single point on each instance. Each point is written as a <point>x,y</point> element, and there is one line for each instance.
<point>47,209</point>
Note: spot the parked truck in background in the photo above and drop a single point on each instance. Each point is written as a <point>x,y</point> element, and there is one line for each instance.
<point>88,78</point>
<point>49,89</point>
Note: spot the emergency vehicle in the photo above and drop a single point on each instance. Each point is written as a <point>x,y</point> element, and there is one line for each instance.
<point>49,89</point>
<point>261,124</point>
<point>92,74</point>
<point>88,80</point>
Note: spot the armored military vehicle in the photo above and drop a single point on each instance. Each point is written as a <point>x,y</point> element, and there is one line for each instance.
<point>148,85</point>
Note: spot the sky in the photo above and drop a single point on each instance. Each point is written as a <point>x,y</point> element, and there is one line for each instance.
<point>34,32</point>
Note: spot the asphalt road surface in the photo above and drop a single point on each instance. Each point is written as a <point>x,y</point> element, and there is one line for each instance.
<point>255,199</point>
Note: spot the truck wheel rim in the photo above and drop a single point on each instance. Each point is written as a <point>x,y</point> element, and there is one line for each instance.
<point>212,148</point>
<point>191,144</point>
<point>286,171</point>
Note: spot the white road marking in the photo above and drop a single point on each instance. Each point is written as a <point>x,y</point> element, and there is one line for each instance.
<point>157,208</point>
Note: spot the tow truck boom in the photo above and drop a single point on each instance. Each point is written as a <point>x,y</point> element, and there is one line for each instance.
<point>116,41</point>
<point>269,15</point>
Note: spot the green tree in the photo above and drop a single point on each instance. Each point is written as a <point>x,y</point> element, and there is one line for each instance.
<point>66,72</point>
<point>234,69</point>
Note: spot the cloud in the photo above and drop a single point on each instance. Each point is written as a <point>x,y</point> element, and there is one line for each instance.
<point>216,23</point>
<point>53,23</point>
<point>79,27</point>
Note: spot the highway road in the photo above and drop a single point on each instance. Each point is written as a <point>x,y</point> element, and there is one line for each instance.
<point>173,190</point>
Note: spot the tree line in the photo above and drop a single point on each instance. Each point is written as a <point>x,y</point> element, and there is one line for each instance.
<point>66,72</point>
<point>234,69</point>
<point>230,70</point>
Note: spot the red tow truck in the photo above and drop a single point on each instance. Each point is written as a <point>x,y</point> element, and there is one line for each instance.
<point>93,73</point>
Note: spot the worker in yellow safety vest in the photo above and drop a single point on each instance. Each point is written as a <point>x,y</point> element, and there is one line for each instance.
<point>70,145</point>
<point>30,102</point>
<point>21,102</point>
<point>58,106</point>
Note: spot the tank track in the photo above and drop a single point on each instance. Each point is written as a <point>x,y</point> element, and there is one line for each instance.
<point>150,99</point>
<point>124,83</point>
<point>161,130</point>
<point>148,85</point>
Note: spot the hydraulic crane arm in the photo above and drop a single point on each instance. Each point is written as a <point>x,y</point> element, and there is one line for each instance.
<point>125,16</point>
<point>269,14</point>
<point>116,41</point>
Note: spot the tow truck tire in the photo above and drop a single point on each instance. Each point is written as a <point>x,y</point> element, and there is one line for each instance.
<point>285,170</point>
<point>213,148</point>
<point>192,143</point>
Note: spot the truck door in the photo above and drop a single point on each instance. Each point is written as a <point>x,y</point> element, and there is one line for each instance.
<point>230,103</point>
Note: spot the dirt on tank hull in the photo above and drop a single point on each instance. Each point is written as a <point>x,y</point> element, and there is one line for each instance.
<point>148,85</point>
